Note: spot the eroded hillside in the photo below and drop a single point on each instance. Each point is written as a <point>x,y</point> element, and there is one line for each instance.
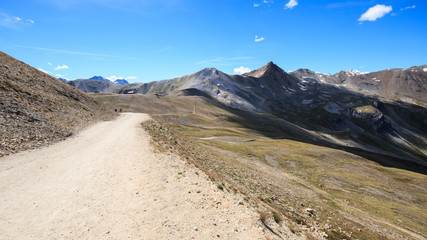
<point>37,109</point>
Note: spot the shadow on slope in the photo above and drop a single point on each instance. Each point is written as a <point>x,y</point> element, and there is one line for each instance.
<point>274,127</point>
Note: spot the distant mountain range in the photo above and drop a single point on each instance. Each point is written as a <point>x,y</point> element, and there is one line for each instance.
<point>99,78</point>
<point>97,84</point>
<point>406,85</point>
<point>117,81</point>
<point>382,112</point>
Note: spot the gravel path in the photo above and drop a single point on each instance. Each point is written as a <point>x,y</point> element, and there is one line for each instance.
<point>107,183</point>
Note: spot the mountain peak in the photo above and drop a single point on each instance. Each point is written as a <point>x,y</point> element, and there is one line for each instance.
<point>99,78</point>
<point>269,68</point>
<point>208,71</point>
<point>270,64</point>
<point>121,81</point>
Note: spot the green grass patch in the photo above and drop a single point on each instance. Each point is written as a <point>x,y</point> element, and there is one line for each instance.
<point>365,109</point>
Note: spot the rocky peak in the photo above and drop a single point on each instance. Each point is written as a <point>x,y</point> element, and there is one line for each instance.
<point>99,78</point>
<point>270,69</point>
<point>121,81</point>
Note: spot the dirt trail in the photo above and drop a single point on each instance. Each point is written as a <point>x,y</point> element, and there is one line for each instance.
<point>107,183</point>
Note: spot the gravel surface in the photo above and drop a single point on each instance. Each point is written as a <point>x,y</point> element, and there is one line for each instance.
<point>108,183</point>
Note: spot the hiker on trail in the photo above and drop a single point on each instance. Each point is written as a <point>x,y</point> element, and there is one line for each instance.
<point>120,110</point>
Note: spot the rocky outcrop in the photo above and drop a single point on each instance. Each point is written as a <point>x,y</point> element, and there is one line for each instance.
<point>407,85</point>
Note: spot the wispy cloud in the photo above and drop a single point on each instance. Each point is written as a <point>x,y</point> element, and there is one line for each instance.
<point>291,4</point>
<point>375,12</point>
<point>265,2</point>
<point>407,8</point>
<point>59,75</point>
<point>164,49</point>
<point>259,39</point>
<point>220,61</point>
<point>114,78</point>
<point>148,7</point>
<point>61,67</point>
<point>50,64</point>
<point>348,4</point>
<point>76,52</point>
<point>13,22</point>
<point>241,70</point>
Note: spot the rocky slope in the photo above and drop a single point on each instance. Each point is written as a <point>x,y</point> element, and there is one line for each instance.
<point>36,109</point>
<point>93,85</point>
<point>98,84</point>
<point>407,85</point>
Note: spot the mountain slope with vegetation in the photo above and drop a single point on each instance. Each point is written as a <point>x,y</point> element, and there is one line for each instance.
<point>37,109</point>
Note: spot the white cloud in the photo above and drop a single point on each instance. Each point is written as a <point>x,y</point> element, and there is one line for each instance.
<point>375,12</point>
<point>291,4</point>
<point>40,69</point>
<point>259,39</point>
<point>267,2</point>
<point>60,75</point>
<point>50,64</point>
<point>131,78</point>
<point>114,78</point>
<point>9,21</point>
<point>61,67</point>
<point>241,70</point>
<point>409,7</point>
<point>13,22</point>
<point>74,52</point>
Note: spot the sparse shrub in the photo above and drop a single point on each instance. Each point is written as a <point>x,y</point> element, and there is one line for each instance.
<point>220,187</point>
<point>276,217</point>
<point>262,216</point>
<point>179,173</point>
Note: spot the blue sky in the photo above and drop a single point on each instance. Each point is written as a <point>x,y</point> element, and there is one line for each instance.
<point>146,40</point>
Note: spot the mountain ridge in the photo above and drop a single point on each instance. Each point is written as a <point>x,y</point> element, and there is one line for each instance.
<point>398,84</point>
<point>338,115</point>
